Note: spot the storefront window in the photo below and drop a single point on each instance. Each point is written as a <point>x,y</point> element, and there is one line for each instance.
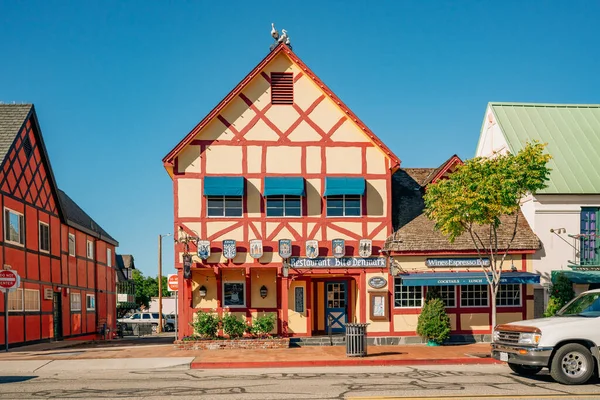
<point>407,296</point>
<point>284,206</point>
<point>509,295</point>
<point>447,294</point>
<point>234,294</point>
<point>474,296</point>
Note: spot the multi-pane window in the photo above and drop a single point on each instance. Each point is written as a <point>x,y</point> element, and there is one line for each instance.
<point>588,243</point>
<point>90,302</point>
<point>44,237</point>
<point>32,299</point>
<point>90,249</point>
<point>284,206</point>
<point>224,206</point>
<point>109,257</point>
<point>14,227</point>
<point>15,300</point>
<point>447,294</point>
<point>509,295</point>
<point>474,296</point>
<point>344,205</point>
<point>407,296</point>
<point>71,244</point>
<point>75,301</point>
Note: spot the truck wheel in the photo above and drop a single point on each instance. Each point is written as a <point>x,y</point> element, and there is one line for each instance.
<point>572,364</point>
<point>524,370</point>
<point>154,328</point>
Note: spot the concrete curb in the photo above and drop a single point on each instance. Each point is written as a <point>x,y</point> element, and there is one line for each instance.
<point>344,363</point>
<point>129,364</point>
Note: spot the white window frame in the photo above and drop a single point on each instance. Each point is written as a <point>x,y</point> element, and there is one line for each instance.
<point>421,299</point>
<point>487,301</point>
<point>520,295</point>
<point>74,303</point>
<point>283,196</point>
<point>36,301</point>
<point>41,223</point>
<point>72,236</point>
<point>243,283</point>
<point>87,304</point>
<point>360,213</point>
<point>21,241</point>
<point>89,249</point>
<point>223,198</point>
<point>18,292</point>
<point>440,288</point>
<point>109,257</point>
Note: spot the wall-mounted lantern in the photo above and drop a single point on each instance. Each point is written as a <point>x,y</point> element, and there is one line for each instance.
<point>202,291</point>
<point>263,291</point>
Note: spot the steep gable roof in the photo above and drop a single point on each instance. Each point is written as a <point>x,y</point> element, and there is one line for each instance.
<point>572,132</point>
<point>168,160</point>
<point>79,219</point>
<point>415,233</point>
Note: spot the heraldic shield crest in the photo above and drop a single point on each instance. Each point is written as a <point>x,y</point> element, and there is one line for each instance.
<point>256,248</point>
<point>203,249</point>
<point>365,248</point>
<point>312,248</point>
<point>285,248</point>
<point>229,249</point>
<point>338,247</point>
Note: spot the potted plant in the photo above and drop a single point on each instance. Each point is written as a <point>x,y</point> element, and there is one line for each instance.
<point>434,323</point>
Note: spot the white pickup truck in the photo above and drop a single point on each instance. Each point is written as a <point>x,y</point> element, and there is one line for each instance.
<point>568,343</point>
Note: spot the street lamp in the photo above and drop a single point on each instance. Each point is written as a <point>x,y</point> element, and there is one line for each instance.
<point>160,319</point>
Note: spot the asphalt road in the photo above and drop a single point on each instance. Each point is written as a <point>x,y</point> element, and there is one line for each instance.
<point>456,382</point>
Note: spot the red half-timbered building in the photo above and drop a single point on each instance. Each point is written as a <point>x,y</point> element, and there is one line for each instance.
<point>64,258</point>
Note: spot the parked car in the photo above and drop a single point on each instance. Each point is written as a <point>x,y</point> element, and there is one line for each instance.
<point>170,323</point>
<point>568,344</point>
<point>144,317</point>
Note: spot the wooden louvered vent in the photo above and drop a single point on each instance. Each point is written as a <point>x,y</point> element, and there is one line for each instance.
<point>282,88</point>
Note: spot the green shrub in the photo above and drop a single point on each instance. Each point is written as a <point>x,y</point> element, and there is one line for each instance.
<point>206,324</point>
<point>434,323</point>
<point>432,293</point>
<point>263,325</point>
<point>233,326</point>
<point>561,293</point>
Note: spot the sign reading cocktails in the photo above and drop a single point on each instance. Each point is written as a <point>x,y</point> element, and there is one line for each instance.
<point>342,262</point>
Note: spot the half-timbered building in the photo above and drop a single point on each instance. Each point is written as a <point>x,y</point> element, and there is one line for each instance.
<point>64,258</point>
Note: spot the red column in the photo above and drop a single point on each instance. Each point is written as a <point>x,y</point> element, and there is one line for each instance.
<point>284,304</point>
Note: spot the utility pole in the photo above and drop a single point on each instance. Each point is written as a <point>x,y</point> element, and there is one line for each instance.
<point>160,318</point>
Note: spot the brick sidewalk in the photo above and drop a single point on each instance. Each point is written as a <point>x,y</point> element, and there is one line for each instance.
<point>477,353</point>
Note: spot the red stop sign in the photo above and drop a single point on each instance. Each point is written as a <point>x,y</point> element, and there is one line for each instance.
<point>8,279</point>
<point>172,283</point>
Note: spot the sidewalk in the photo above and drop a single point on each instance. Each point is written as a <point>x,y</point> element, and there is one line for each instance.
<point>114,355</point>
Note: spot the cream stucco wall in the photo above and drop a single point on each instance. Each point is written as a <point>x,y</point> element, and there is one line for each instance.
<point>343,160</point>
<point>268,278</point>
<point>223,160</point>
<point>189,160</point>
<point>189,205</point>
<point>406,322</point>
<point>475,322</point>
<point>208,280</point>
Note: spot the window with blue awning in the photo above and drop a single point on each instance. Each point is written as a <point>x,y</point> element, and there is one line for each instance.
<point>465,278</point>
<point>287,185</point>
<point>223,186</point>
<point>335,186</point>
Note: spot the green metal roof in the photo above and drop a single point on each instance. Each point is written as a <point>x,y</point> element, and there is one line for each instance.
<point>572,132</point>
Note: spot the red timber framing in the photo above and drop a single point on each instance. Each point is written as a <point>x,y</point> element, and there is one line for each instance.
<point>256,225</point>
<point>28,189</point>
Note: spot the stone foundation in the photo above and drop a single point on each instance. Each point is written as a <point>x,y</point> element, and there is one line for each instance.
<point>217,344</point>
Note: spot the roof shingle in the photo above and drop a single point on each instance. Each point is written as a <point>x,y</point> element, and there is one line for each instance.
<point>12,118</point>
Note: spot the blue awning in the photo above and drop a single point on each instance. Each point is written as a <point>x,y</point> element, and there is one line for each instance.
<point>589,276</point>
<point>277,186</point>
<point>464,278</point>
<point>337,186</point>
<point>223,186</point>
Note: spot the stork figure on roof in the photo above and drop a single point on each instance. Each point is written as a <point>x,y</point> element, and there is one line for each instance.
<point>274,32</point>
<point>283,38</point>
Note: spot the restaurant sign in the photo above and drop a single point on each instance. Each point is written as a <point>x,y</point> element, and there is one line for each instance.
<point>342,262</point>
<point>456,262</point>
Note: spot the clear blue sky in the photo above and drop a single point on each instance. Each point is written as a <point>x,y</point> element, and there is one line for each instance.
<point>117,84</point>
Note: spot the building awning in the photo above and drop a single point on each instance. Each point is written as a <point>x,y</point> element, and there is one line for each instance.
<point>277,186</point>
<point>336,186</point>
<point>589,276</point>
<point>464,278</point>
<point>223,186</point>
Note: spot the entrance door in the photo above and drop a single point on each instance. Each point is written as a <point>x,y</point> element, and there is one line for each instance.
<point>57,315</point>
<point>336,314</point>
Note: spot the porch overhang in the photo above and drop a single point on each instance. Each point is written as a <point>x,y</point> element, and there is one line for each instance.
<point>579,276</point>
<point>465,278</point>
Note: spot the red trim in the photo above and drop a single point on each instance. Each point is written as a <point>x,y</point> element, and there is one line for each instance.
<point>169,158</point>
<point>449,164</point>
<point>452,252</point>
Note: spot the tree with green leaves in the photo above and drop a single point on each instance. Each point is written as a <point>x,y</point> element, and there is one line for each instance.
<point>147,287</point>
<point>482,194</point>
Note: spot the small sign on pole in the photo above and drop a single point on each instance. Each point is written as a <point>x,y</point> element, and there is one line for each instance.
<point>172,282</point>
<point>9,280</point>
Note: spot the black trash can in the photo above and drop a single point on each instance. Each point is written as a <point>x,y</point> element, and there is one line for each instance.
<point>356,340</point>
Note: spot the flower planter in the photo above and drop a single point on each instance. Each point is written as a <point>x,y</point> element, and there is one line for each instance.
<point>243,343</point>
<point>433,343</point>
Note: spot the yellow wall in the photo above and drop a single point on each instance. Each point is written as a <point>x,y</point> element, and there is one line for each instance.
<point>297,322</point>
<point>189,206</point>
<point>475,322</point>
<point>405,322</point>
<point>268,278</point>
<point>320,305</point>
<point>207,279</point>
<point>505,318</point>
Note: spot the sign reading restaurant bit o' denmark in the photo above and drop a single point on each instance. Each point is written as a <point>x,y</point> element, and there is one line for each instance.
<point>456,262</point>
<point>342,262</point>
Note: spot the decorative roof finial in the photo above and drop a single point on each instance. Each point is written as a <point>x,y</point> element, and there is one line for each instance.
<point>283,38</point>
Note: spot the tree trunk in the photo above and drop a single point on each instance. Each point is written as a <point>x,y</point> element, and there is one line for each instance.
<point>493,296</point>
